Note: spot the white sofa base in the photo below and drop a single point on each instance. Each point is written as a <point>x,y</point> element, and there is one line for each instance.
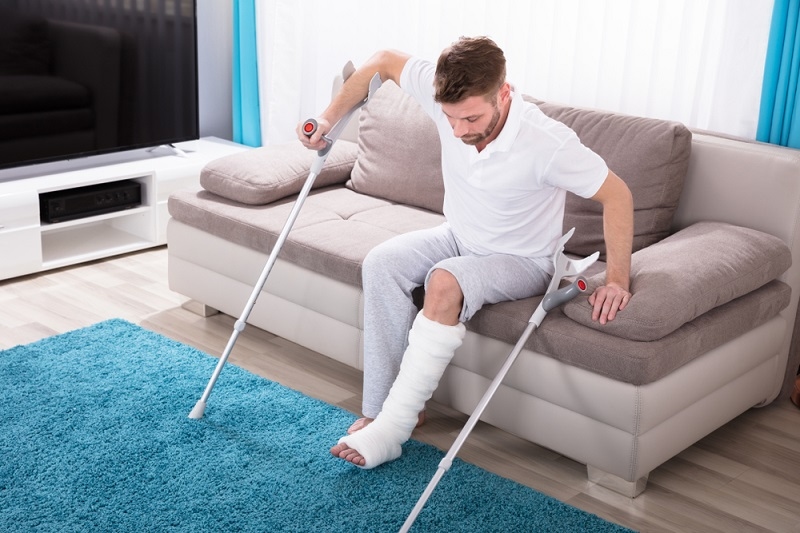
<point>620,431</point>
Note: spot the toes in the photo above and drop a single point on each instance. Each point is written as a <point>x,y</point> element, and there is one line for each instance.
<point>355,458</point>
<point>342,451</point>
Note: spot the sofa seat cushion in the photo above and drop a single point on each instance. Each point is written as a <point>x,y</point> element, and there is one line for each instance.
<point>332,234</point>
<point>686,275</point>
<point>269,173</point>
<point>629,361</point>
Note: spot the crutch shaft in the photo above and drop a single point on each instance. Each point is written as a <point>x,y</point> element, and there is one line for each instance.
<point>199,408</point>
<point>309,127</point>
<point>412,517</point>
<point>223,358</point>
<point>447,461</point>
<point>552,299</point>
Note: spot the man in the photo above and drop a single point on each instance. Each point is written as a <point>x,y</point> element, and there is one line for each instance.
<point>506,169</point>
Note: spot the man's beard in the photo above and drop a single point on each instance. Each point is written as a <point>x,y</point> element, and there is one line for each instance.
<point>477,138</point>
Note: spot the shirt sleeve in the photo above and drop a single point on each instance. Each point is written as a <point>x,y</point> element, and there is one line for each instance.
<point>576,168</point>
<point>417,80</point>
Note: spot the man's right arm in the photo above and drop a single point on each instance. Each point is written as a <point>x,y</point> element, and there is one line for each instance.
<point>388,63</point>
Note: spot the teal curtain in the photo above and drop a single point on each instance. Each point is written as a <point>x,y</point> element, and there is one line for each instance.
<point>779,115</point>
<point>246,116</point>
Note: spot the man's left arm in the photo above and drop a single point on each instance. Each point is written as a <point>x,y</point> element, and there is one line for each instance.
<point>617,202</point>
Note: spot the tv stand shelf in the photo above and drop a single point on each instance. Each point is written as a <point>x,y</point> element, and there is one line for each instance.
<point>29,245</point>
<point>59,226</point>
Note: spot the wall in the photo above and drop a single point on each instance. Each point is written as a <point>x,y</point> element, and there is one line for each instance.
<point>214,37</point>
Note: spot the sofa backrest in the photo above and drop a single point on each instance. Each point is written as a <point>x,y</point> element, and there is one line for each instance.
<point>650,155</point>
<point>399,160</point>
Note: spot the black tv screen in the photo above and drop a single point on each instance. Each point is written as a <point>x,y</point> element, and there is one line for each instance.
<point>87,77</point>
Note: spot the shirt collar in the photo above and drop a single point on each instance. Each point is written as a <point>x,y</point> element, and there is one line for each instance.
<point>508,134</point>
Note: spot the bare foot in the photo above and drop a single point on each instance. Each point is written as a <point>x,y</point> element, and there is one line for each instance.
<point>361,423</point>
<point>343,451</point>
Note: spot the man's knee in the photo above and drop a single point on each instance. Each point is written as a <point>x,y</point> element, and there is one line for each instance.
<point>443,297</point>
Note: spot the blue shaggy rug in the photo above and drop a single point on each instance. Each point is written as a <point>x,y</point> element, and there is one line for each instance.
<point>94,436</point>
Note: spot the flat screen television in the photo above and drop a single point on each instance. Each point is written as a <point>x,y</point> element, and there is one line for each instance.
<point>81,78</point>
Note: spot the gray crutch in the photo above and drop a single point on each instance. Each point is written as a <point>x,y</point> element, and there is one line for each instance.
<point>309,127</point>
<point>552,299</point>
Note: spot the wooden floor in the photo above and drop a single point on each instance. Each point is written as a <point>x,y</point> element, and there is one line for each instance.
<point>743,477</point>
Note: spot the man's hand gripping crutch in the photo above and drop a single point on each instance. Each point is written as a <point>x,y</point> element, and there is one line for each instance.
<point>564,267</point>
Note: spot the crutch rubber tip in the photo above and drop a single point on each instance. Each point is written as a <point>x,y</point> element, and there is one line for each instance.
<point>199,409</point>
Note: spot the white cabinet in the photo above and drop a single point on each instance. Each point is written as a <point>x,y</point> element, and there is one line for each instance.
<point>28,244</point>
<point>20,245</point>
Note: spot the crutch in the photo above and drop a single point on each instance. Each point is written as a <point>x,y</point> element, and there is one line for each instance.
<point>552,299</point>
<point>309,127</point>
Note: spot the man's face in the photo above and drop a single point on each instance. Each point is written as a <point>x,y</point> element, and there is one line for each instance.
<point>473,119</point>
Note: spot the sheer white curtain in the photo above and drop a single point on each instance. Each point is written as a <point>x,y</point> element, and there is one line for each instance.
<point>696,61</point>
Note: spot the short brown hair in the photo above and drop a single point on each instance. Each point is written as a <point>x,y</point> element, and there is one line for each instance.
<point>471,66</point>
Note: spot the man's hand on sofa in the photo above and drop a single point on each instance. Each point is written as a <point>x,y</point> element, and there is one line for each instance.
<point>607,300</point>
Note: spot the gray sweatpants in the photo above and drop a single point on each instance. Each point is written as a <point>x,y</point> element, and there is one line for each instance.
<point>393,269</point>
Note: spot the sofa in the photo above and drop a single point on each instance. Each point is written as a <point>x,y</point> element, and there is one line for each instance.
<point>710,331</point>
<point>60,87</point>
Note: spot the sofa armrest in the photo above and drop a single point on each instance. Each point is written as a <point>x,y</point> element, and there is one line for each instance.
<point>741,182</point>
<point>269,173</point>
<point>751,184</point>
<point>686,275</point>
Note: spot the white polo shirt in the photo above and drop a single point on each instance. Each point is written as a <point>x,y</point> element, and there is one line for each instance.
<point>508,198</point>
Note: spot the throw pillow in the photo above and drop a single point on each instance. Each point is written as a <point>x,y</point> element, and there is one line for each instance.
<point>687,274</point>
<point>399,153</point>
<point>263,175</point>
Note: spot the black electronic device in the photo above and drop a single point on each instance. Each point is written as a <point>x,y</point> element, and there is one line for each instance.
<point>81,202</point>
<point>84,78</point>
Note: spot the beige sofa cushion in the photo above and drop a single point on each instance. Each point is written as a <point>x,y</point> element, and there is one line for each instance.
<point>263,175</point>
<point>332,234</point>
<point>399,153</point>
<point>337,227</point>
<point>686,275</point>
<point>650,155</point>
<point>626,360</point>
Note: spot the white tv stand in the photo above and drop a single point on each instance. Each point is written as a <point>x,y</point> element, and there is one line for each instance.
<point>28,245</point>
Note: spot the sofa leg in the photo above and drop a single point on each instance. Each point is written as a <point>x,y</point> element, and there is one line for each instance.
<point>631,489</point>
<point>199,308</point>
